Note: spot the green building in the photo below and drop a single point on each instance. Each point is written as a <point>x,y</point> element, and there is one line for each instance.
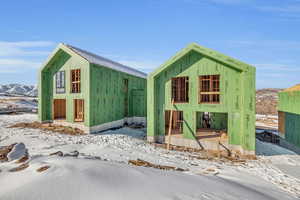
<point>78,88</point>
<point>289,115</point>
<point>211,97</point>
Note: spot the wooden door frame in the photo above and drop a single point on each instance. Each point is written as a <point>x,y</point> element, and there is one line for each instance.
<point>74,110</point>
<point>53,105</point>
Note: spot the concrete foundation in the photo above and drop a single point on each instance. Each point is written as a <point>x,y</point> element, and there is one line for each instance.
<point>105,126</point>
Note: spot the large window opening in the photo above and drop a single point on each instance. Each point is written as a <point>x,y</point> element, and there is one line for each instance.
<point>176,123</point>
<point>180,89</point>
<point>75,81</point>
<point>60,82</point>
<point>209,90</point>
<point>209,123</point>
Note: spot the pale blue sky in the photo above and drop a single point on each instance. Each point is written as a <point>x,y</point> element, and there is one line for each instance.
<point>145,33</point>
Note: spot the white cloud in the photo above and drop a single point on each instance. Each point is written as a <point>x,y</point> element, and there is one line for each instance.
<point>17,65</point>
<point>24,48</point>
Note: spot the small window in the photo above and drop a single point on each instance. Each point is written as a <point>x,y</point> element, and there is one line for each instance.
<point>209,89</point>
<point>60,82</point>
<point>180,89</point>
<point>176,124</point>
<point>75,81</point>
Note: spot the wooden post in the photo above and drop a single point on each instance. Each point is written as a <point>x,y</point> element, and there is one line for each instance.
<point>170,126</point>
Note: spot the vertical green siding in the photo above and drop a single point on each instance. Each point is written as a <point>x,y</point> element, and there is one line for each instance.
<point>63,60</point>
<point>101,89</point>
<point>289,102</point>
<point>292,128</point>
<point>237,89</point>
<point>107,95</point>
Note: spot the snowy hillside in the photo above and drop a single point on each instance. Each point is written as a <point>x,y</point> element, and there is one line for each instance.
<point>18,89</point>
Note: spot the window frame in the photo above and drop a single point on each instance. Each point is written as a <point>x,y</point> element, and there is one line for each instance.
<point>75,81</point>
<point>211,91</point>
<point>60,84</point>
<point>180,89</point>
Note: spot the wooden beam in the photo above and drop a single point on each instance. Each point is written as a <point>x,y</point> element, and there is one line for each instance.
<point>170,126</point>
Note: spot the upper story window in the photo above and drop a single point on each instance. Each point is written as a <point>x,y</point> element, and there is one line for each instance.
<point>75,81</point>
<point>209,90</point>
<point>60,82</point>
<point>180,89</point>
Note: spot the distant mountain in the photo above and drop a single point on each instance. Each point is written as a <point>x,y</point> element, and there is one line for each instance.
<point>19,89</point>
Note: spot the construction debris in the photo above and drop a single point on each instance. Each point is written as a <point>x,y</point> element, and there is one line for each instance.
<point>58,153</point>
<point>143,163</point>
<point>19,168</point>
<point>4,151</point>
<point>44,168</point>
<point>50,127</point>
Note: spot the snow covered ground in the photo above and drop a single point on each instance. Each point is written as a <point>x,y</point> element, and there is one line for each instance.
<point>101,170</point>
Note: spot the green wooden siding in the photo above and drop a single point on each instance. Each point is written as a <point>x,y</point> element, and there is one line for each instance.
<point>237,89</point>
<point>289,103</point>
<point>292,128</point>
<point>101,90</point>
<point>107,95</point>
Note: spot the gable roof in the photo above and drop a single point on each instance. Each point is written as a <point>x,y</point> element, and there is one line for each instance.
<point>292,89</point>
<point>99,60</point>
<point>236,64</point>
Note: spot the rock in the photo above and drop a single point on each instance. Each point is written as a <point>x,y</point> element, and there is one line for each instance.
<point>18,151</point>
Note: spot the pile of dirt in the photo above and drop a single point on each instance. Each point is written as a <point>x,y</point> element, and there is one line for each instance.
<point>267,100</point>
<point>49,127</point>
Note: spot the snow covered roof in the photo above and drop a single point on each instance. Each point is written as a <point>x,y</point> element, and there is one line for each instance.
<point>99,60</point>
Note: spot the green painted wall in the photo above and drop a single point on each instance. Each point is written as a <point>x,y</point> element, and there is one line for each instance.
<point>107,95</point>
<point>101,88</point>
<point>63,60</point>
<point>237,96</point>
<point>292,128</point>
<point>289,102</point>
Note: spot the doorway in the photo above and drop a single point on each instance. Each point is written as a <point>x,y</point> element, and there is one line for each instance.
<point>176,124</point>
<point>78,110</point>
<point>59,109</point>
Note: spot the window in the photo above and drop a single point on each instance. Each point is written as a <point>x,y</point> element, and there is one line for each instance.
<point>75,81</point>
<point>209,89</point>
<point>180,89</point>
<point>60,82</point>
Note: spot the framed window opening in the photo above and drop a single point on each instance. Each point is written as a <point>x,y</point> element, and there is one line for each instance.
<point>209,89</point>
<point>75,81</point>
<point>78,110</point>
<point>180,90</point>
<point>60,82</point>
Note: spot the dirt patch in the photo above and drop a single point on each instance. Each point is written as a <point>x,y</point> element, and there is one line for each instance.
<point>143,163</point>
<point>222,155</point>
<point>49,127</point>
<point>44,168</point>
<point>4,151</point>
<point>19,168</point>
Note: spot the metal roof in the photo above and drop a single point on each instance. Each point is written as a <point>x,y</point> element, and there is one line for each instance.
<point>99,60</point>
